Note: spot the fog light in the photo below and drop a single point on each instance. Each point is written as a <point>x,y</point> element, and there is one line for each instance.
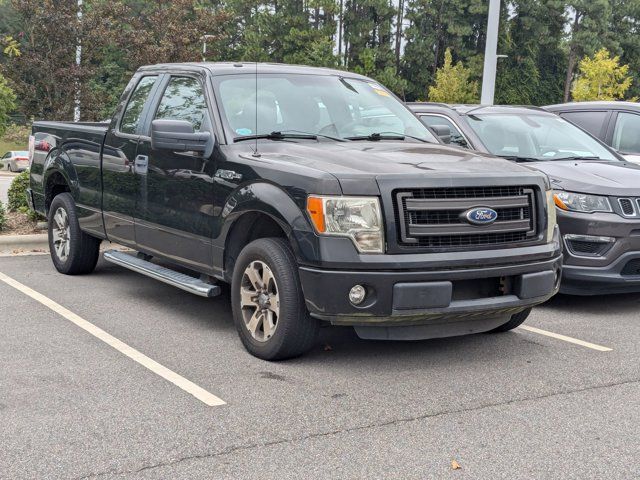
<point>357,294</point>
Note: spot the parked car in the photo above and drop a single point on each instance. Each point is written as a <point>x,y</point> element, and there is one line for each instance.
<point>16,161</point>
<point>287,183</point>
<point>615,123</point>
<point>597,192</point>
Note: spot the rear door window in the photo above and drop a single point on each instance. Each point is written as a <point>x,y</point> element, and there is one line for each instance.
<point>626,136</point>
<point>133,112</point>
<point>592,122</point>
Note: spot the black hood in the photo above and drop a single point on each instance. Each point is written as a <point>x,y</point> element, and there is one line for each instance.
<point>597,177</point>
<point>357,165</point>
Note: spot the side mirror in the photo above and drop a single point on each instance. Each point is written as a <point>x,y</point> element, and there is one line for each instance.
<point>443,132</point>
<point>178,136</point>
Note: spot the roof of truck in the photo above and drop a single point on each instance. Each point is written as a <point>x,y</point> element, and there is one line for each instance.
<point>236,68</point>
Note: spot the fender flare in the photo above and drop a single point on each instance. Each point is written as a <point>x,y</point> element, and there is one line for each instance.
<point>59,162</point>
<point>270,200</point>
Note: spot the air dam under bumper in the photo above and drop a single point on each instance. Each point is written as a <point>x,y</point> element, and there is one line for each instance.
<point>413,305</point>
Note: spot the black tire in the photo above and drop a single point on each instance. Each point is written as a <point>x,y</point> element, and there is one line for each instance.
<point>10,168</point>
<point>83,249</point>
<point>516,320</point>
<point>295,330</point>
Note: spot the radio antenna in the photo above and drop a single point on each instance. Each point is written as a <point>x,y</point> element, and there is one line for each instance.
<point>255,151</point>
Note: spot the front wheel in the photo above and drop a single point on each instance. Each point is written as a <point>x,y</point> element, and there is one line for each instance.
<point>268,305</point>
<point>73,252</point>
<point>516,320</point>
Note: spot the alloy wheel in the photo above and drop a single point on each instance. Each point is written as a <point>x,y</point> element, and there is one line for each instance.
<point>61,232</point>
<point>259,301</point>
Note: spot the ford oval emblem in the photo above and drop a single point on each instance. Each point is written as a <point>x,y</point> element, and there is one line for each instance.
<point>481,216</point>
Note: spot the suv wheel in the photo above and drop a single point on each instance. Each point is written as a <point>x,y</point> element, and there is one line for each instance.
<point>73,252</point>
<point>268,305</point>
<point>516,320</point>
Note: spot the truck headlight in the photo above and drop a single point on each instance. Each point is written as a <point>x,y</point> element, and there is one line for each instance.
<point>359,218</point>
<point>551,212</point>
<point>581,202</point>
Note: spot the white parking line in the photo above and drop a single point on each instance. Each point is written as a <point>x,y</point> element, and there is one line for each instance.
<point>132,353</point>
<point>557,336</point>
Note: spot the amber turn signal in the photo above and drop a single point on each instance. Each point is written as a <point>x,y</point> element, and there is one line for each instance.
<point>559,203</point>
<point>315,207</point>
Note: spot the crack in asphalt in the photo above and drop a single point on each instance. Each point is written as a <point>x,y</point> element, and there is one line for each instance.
<point>237,448</point>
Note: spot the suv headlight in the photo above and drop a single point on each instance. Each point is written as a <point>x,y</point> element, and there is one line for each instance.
<point>551,212</point>
<point>581,202</point>
<point>358,218</point>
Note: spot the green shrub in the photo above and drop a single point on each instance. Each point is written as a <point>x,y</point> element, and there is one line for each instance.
<point>3,217</point>
<point>18,192</point>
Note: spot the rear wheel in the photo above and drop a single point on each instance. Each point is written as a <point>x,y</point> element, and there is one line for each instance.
<point>268,305</point>
<point>73,252</point>
<point>516,320</point>
<point>10,167</point>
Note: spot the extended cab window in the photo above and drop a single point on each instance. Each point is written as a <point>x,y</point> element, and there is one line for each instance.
<point>131,116</point>
<point>183,100</point>
<point>626,136</point>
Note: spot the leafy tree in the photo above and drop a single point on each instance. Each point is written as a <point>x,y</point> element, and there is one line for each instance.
<point>7,103</point>
<point>601,78</point>
<point>588,27</point>
<point>453,84</point>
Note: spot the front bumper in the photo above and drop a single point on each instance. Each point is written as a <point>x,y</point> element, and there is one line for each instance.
<point>430,299</point>
<point>611,272</point>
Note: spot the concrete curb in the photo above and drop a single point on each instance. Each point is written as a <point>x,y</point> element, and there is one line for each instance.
<point>9,243</point>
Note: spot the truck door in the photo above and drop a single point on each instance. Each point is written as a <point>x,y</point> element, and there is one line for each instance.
<point>119,182</point>
<point>175,197</point>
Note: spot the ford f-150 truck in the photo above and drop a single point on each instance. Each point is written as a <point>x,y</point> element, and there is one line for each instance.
<point>316,194</point>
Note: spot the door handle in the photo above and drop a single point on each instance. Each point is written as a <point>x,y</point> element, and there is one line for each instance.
<point>141,164</point>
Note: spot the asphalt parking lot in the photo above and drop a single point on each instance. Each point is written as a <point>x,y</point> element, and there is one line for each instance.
<point>515,405</point>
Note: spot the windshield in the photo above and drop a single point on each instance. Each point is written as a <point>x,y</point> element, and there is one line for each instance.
<point>535,136</point>
<point>322,105</point>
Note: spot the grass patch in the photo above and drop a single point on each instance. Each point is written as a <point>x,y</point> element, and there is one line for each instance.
<point>6,146</point>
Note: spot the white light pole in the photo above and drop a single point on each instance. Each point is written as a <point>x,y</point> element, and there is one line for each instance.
<point>76,110</point>
<point>490,54</point>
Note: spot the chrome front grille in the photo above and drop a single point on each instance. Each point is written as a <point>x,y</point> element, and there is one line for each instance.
<point>434,217</point>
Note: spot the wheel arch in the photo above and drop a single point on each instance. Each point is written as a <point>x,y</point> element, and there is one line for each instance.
<point>59,176</point>
<point>260,210</point>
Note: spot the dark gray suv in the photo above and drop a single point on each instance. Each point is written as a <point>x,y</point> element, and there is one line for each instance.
<point>597,192</point>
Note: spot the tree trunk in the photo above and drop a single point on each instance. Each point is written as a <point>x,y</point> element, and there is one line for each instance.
<point>572,60</point>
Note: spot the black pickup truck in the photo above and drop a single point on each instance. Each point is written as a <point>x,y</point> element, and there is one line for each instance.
<point>316,194</point>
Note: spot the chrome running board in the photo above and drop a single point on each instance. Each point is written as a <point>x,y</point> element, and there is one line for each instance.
<point>163,274</point>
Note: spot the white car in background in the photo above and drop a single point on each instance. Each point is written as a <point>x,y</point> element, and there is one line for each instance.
<point>16,161</point>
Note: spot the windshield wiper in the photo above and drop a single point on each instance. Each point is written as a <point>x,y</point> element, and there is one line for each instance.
<point>516,158</point>
<point>376,137</point>
<point>576,157</point>
<point>305,134</point>
<point>277,136</point>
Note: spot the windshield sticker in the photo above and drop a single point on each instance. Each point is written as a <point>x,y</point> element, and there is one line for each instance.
<point>244,131</point>
<point>379,89</point>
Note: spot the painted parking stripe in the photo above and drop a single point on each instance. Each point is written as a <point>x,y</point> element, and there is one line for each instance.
<point>557,336</point>
<point>178,380</point>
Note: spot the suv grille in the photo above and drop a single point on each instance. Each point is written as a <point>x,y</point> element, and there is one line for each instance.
<point>434,217</point>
